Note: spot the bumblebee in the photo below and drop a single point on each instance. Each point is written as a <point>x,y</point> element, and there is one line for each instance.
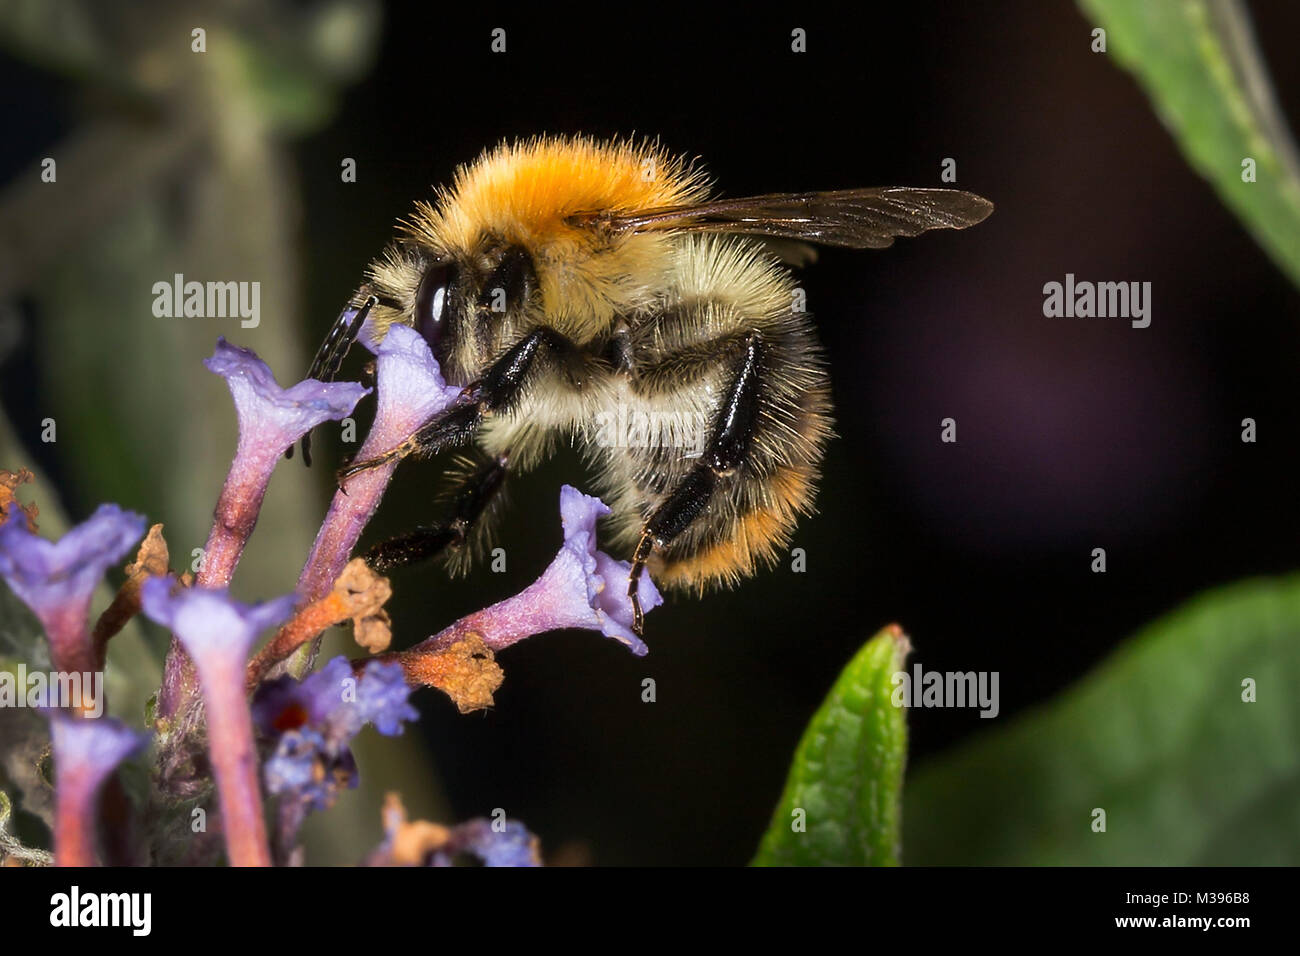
<point>569,283</point>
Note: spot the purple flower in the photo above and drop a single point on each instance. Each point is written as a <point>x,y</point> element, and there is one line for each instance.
<point>217,633</point>
<point>336,701</point>
<point>491,843</point>
<point>90,749</point>
<point>211,625</point>
<point>511,846</point>
<point>272,418</point>
<point>582,588</point>
<point>86,752</point>
<point>306,767</point>
<point>57,579</point>
<point>607,608</point>
<point>411,389</point>
<point>312,722</point>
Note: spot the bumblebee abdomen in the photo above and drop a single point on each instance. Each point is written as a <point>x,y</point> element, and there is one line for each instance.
<point>730,302</point>
<point>733,543</point>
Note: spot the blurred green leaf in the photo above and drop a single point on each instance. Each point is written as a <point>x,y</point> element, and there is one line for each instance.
<point>848,771</point>
<point>1200,66</point>
<point>1160,738</point>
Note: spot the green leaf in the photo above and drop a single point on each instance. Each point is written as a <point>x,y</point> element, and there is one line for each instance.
<point>1159,737</point>
<point>847,773</point>
<point>1198,62</point>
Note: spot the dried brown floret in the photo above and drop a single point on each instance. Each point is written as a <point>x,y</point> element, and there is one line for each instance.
<point>466,672</point>
<point>358,595</point>
<point>150,562</point>
<point>9,482</point>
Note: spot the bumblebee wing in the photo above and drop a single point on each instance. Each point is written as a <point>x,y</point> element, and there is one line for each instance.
<point>790,251</point>
<point>853,218</point>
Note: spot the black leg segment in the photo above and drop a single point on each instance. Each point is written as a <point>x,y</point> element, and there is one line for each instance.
<point>729,443</point>
<point>498,390</point>
<point>329,357</point>
<point>503,385</point>
<point>468,505</point>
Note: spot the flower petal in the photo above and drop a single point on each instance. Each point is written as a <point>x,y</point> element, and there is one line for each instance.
<point>607,593</point>
<point>411,388</point>
<point>58,578</point>
<point>210,621</point>
<point>272,418</point>
<point>92,748</point>
<point>383,697</point>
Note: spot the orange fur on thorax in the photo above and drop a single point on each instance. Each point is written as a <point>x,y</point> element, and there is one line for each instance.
<point>525,194</point>
<point>525,191</point>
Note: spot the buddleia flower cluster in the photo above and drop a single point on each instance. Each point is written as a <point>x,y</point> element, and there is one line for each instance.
<point>240,713</point>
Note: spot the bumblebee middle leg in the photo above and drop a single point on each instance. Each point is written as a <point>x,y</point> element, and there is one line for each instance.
<point>469,503</point>
<point>726,449</point>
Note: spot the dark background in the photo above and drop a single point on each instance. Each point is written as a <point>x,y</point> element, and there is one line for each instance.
<point>1072,433</point>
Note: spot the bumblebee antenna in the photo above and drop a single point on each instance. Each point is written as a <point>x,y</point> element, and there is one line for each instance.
<point>329,357</point>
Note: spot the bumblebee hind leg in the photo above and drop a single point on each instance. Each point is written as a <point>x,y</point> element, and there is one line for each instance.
<point>469,502</point>
<point>728,444</point>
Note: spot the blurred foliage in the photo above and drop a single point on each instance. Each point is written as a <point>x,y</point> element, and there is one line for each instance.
<point>845,782</point>
<point>177,163</point>
<point>1199,64</point>
<point>1159,737</point>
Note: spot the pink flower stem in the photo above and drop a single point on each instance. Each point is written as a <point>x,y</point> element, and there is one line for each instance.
<point>505,623</point>
<point>76,800</point>
<point>71,648</point>
<point>236,514</point>
<point>86,754</point>
<point>348,515</point>
<point>234,759</point>
<point>234,519</point>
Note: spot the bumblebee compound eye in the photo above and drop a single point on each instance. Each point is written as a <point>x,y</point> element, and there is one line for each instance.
<point>433,303</point>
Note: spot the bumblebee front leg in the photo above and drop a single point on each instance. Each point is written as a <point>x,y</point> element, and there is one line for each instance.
<point>725,452</point>
<point>329,357</point>
<point>468,505</point>
<point>500,389</point>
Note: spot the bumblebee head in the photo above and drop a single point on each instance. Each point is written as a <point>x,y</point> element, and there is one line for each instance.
<point>464,303</point>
